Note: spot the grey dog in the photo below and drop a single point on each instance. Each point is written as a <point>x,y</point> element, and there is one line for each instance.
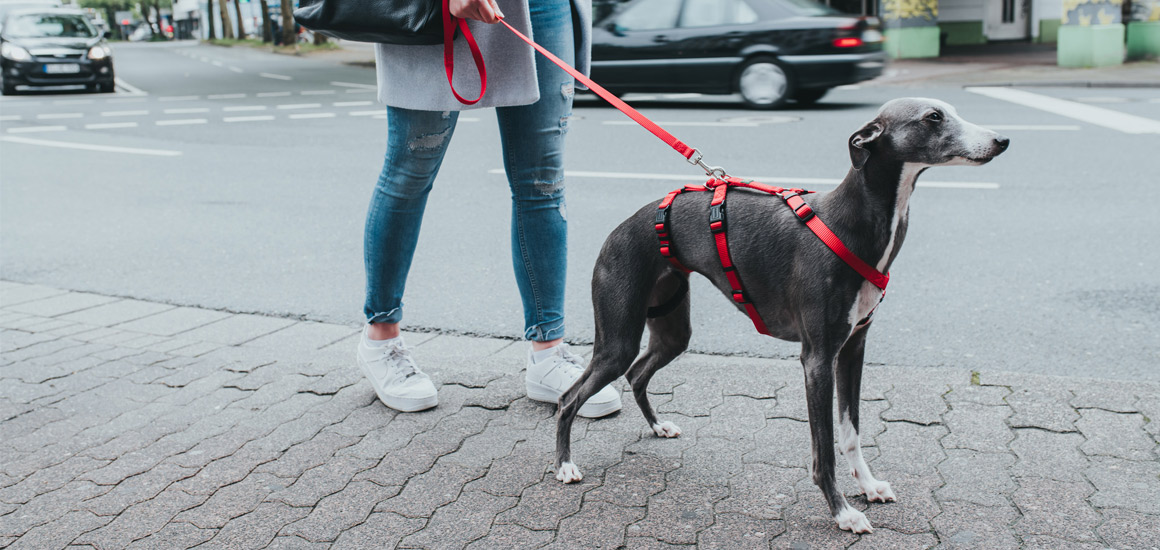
<point>802,290</point>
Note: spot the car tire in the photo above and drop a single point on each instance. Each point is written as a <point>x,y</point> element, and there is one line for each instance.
<point>809,97</point>
<point>106,87</point>
<point>7,89</point>
<point>764,83</point>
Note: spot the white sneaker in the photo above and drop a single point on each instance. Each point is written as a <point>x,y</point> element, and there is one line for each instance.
<point>397,380</point>
<point>552,376</point>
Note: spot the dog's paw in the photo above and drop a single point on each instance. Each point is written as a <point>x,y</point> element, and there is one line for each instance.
<point>666,429</point>
<point>569,473</point>
<point>878,491</point>
<point>854,521</point>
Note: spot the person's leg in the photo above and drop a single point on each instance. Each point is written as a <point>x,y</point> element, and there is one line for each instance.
<point>533,144</point>
<point>416,143</point>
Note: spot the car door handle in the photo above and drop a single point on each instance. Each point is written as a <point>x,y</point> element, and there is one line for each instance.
<point>660,38</point>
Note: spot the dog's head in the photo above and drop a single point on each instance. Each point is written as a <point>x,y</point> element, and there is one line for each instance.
<point>924,131</point>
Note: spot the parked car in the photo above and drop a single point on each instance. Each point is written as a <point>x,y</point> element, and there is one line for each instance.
<point>769,51</point>
<point>53,47</point>
<point>11,5</point>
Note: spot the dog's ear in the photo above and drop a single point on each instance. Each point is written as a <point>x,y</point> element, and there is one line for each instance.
<point>861,142</point>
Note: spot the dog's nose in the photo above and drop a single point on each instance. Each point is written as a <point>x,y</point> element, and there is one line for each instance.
<point>1002,142</point>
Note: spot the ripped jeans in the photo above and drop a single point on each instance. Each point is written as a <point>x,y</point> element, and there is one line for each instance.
<point>533,149</point>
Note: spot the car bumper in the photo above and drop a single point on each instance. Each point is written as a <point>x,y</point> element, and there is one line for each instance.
<point>37,72</point>
<point>827,71</point>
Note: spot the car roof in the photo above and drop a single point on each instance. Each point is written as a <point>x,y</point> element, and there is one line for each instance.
<point>47,10</point>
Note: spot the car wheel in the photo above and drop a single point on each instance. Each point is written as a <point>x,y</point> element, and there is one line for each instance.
<point>8,89</point>
<point>106,87</point>
<point>764,83</point>
<point>809,97</point>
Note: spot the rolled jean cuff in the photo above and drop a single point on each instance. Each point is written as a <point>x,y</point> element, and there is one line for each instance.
<point>545,332</point>
<point>393,316</point>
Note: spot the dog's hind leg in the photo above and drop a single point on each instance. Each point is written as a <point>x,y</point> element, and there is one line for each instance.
<point>848,378</point>
<point>819,356</point>
<point>669,335</point>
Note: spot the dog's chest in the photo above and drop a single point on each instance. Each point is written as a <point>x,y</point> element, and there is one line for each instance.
<point>865,301</point>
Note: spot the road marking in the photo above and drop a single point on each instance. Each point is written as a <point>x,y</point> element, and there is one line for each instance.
<point>244,108</point>
<point>1129,124</point>
<point>189,110</point>
<point>236,69</point>
<point>367,113</point>
<point>275,76</point>
<point>701,124</point>
<point>248,118</point>
<point>763,179</point>
<point>354,85</point>
<point>88,147</point>
<point>682,96</point>
<point>1032,127</point>
<point>352,103</point>
<point>124,113</point>
<point>468,119</point>
<point>30,129</point>
<point>49,116</point>
<point>299,106</point>
<point>110,125</point>
<point>1154,100</point>
<point>273,94</point>
<point>358,91</point>
<point>313,115</point>
<point>318,92</point>
<point>178,98</point>
<point>181,122</point>
<point>848,87</point>
<point>216,63</point>
<point>1102,99</point>
<point>9,117</point>
<point>225,96</point>
<point>128,87</point>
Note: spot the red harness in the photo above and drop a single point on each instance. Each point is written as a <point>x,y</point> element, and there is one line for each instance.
<point>717,226</point>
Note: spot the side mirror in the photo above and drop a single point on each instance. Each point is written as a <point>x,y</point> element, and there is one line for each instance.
<point>108,34</point>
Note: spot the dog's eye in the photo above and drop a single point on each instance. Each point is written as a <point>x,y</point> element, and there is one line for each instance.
<point>934,117</point>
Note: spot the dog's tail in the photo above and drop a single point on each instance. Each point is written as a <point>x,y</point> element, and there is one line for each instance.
<point>672,303</point>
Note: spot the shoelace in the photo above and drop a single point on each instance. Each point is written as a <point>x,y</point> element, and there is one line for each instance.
<point>400,358</point>
<point>572,359</point>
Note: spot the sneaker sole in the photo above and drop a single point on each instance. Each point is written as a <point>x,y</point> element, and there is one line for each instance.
<point>539,392</point>
<point>401,404</point>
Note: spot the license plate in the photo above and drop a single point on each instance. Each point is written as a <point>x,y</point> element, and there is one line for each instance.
<point>62,68</point>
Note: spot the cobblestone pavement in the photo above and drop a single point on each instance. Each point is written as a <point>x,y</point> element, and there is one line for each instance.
<point>129,424</point>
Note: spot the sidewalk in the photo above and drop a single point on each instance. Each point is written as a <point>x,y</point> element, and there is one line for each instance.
<point>130,424</point>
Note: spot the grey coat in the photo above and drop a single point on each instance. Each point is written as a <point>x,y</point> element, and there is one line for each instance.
<point>413,77</point>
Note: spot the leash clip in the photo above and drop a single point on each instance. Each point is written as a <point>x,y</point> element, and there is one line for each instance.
<point>715,172</point>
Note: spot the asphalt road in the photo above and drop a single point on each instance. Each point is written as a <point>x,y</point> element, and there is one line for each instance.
<point>242,181</point>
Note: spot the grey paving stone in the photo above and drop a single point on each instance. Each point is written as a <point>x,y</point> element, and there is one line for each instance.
<point>224,471</point>
<point>116,312</point>
<point>544,504</point>
<point>1125,484</point>
<point>978,427</point>
<point>296,543</point>
<point>979,478</point>
<point>919,403</point>
<point>61,532</point>
<point>1048,455</point>
<point>380,530</point>
<point>1128,529</point>
<point>808,524</point>
<point>436,488</point>
<point>48,507</point>
<point>228,503</point>
<point>782,442</point>
<point>137,489</point>
<point>465,520</point>
<point>510,475</point>
<point>15,293</point>
<point>172,322</point>
<point>257,529</point>
<point>733,531</point>
<point>302,337</point>
<point>174,535</point>
<point>737,417</point>
<point>196,349</point>
<point>631,482</point>
<point>1105,394</point>
<point>910,448</point>
<point>914,509</point>
<point>886,539</point>
<point>1042,408</point>
<point>18,339</point>
<point>1055,508</point>
<point>512,537</point>
<point>1115,434</point>
<point>60,304</point>
<point>319,482</point>
<point>449,345</point>
<point>755,378</point>
<point>679,513</point>
<point>979,395</point>
<point>311,453</point>
<point>338,512</point>
<point>1044,542</point>
<point>963,525</point>
<point>791,401</point>
<point>238,329</point>
<point>141,520</point>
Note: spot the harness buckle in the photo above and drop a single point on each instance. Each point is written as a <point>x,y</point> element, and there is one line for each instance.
<point>717,217</point>
<point>662,216</point>
<point>740,297</point>
<point>804,212</point>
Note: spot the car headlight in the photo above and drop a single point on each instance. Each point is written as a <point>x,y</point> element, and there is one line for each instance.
<point>98,52</point>
<point>14,52</point>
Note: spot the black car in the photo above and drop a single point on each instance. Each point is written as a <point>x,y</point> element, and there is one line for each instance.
<point>769,51</point>
<point>53,47</point>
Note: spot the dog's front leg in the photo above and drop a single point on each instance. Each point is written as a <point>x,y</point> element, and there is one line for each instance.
<point>819,372</point>
<point>848,375</point>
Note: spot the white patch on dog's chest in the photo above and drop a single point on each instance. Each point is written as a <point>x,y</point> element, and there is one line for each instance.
<point>867,299</point>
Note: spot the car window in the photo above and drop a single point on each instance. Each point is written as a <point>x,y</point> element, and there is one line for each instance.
<point>649,15</point>
<point>804,7</point>
<point>49,25</point>
<point>713,13</point>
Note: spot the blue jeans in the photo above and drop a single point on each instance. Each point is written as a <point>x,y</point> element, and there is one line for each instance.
<point>533,148</point>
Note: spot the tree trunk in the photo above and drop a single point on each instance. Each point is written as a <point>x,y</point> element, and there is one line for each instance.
<point>145,16</point>
<point>241,24</point>
<point>114,24</point>
<point>267,35</point>
<point>289,37</point>
<point>211,32</point>
<point>227,27</point>
<point>160,21</point>
<point>320,38</point>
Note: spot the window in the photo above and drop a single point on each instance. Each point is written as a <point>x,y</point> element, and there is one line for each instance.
<point>713,13</point>
<point>49,25</point>
<point>649,15</point>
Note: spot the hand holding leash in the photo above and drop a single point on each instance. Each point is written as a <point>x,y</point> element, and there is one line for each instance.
<point>481,10</point>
